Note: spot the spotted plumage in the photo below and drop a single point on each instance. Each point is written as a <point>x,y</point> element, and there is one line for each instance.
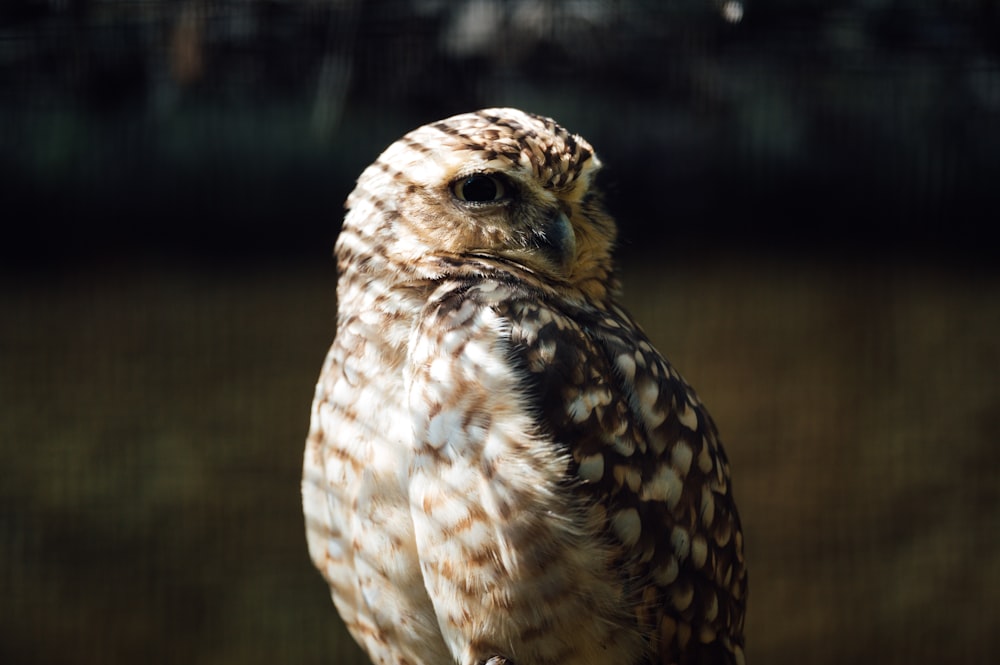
<point>500,467</point>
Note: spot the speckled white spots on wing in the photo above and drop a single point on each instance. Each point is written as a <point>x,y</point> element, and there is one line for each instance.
<point>711,603</point>
<point>680,457</point>
<point>699,551</point>
<point>578,409</point>
<point>664,485</point>
<point>546,351</point>
<point>620,428</point>
<point>627,476</point>
<point>707,507</point>
<point>624,446</point>
<point>586,401</point>
<point>687,416</point>
<point>625,362</point>
<point>705,457</point>
<point>723,533</point>
<point>648,392</point>
<point>681,596</point>
<point>658,443</point>
<point>591,467</point>
<point>611,322</point>
<point>627,526</point>
<point>668,571</point>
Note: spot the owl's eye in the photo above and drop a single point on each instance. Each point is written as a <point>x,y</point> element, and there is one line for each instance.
<point>479,188</point>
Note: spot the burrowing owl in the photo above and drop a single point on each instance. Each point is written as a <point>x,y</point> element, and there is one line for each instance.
<point>500,467</point>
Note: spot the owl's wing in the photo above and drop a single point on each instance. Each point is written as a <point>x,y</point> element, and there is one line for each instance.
<point>645,449</point>
<point>569,494</point>
<point>506,547</point>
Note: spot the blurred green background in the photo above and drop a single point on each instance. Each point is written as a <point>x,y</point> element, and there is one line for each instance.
<point>807,196</point>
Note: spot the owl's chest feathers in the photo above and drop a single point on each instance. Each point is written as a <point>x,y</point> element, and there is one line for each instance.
<point>478,337</point>
<point>452,471</point>
<point>368,391</point>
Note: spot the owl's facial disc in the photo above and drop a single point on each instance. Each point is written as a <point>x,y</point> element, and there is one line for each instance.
<point>512,219</point>
<point>497,183</point>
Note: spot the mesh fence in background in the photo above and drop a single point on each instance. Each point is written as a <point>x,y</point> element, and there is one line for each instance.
<point>805,191</point>
<point>238,126</point>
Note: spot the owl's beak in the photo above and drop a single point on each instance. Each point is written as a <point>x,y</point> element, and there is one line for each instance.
<point>557,241</point>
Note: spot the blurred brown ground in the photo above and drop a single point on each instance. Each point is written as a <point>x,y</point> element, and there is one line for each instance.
<point>152,420</point>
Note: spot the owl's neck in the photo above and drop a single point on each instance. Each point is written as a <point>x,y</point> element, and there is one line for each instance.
<point>378,277</point>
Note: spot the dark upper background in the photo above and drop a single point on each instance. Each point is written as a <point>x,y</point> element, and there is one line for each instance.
<point>226,129</point>
<point>806,196</point>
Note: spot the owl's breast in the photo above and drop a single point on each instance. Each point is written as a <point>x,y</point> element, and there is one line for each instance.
<point>359,529</point>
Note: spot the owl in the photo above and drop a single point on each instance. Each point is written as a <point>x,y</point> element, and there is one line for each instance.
<point>501,469</point>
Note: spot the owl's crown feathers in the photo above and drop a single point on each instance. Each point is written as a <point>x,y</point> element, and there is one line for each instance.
<point>497,185</point>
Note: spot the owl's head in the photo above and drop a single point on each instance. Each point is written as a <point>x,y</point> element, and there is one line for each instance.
<point>497,184</point>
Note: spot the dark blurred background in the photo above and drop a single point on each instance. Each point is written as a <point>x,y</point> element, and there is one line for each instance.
<point>807,194</point>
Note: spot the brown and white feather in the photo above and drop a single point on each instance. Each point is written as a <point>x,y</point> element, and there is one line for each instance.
<point>500,467</point>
